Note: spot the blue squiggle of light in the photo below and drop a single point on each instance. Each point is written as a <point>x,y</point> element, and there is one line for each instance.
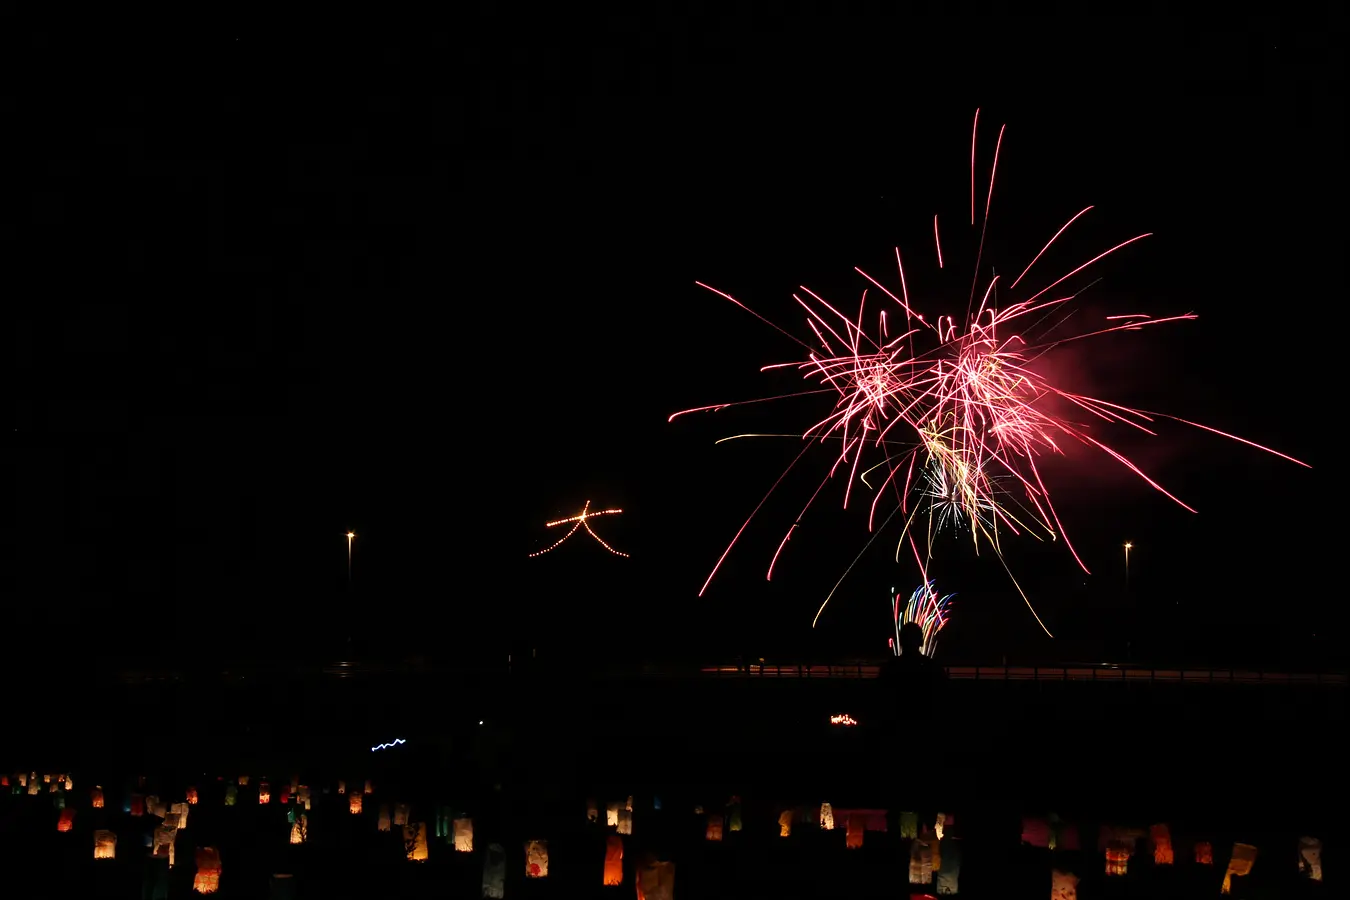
<point>394,743</point>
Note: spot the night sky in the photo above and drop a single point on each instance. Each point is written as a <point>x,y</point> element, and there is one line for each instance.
<point>439,290</point>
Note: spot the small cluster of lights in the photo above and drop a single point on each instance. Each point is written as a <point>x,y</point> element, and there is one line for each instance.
<point>581,520</point>
<point>394,743</point>
<point>843,719</point>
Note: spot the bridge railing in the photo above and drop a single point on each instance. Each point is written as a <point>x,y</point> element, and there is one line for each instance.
<point>1108,674</point>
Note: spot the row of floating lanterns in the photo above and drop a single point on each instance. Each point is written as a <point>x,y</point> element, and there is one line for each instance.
<point>933,853</point>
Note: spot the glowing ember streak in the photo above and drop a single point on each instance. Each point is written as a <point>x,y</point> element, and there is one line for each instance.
<point>970,409</point>
<point>843,719</point>
<point>579,521</point>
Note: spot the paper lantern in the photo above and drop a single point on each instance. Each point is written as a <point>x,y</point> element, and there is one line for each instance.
<point>401,813</point>
<point>1036,832</point>
<point>1244,855</point>
<point>281,886</point>
<point>415,841</point>
<point>137,805</point>
<point>1204,853</point>
<point>612,814</point>
<point>827,817</point>
<point>1118,857</point>
<point>714,832</point>
<point>264,793</point>
<point>66,821</point>
<point>4,781</point>
<point>285,796</point>
<point>442,822</point>
<point>909,825</point>
<point>156,807</point>
<point>342,787</point>
<point>369,788</point>
<point>628,805</point>
<point>853,832</point>
<point>592,810</point>
<point>1161,838</point>
<point>70,785</point>
<point>181,811</point>
<point>1063,885</point>
<point>162,842</point>
<point>207,879</point>
<point>33,788</point>
<point>920,862</point>
<point>354,804</point>
<point>1310,858</point>
<point>734,814</point>
<point>655,880</point>
<point>243,781</point>
<point>536,859</point>
<point>192,796</point>
<point>231,795</point>
<point>46,779</point>
<point>105,844</point>
<point>947,866</point>
<point>96,798</point>
<point>304,797</point>
<point>785,823</point>
<point>494,873</point>
<point>613,861</point>
<point>383,822</point>
<point>59,801</point>
<point>463,829</point>
<point>625,821</point>
<point>300,829</point>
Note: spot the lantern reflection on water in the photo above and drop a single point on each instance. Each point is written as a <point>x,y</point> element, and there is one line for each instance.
<point>613,861</point>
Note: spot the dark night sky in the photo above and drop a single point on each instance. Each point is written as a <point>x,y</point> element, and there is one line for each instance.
<point>440,289</point>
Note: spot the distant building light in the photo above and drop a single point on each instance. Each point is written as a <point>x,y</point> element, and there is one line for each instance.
<point>843,719</point>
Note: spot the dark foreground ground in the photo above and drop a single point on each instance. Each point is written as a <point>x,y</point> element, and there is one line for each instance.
<point>1252,763</point>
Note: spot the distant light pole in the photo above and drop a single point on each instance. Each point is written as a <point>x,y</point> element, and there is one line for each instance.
<point>1128,546</point>
<point>352,534</point>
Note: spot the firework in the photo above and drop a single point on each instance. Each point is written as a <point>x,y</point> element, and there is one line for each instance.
<point>950,414</point>
<point>925,609</point>
<point>579,521</point>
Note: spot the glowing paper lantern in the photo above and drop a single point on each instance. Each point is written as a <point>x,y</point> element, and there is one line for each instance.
<point>383,822</point>
<point>625,821</point>
<point>401,813</point>
<point>137,805</point>
<point>1117,858</point>
<point>181,811</point>
<point>1036,832</point>
<point>612,814</point>
<point>827,817</point>
<point>162,842</point>
<point>96,798</point>
<point>304,797</point>
<point>1161,838</point>
<point>369,788</point>
<point>948,866</point>
<point>1310,858</point>
<point>655,880</point>
<point>909,825</point>
<point>1204,853</point>
<point>285,795</point>
<point>1244,855</point>
<point>105,844</point>
<point>785,823</point>
<point>207,879</point>
<point>342,787</point>
<point>613,861</point>
<point>494,873</point>
<point>354,804</point>
<point>70,785</point>
<point>415,841</point>
<point>714,832</point>
<point>66,821</point>
<point>155,806</point>
<point>442,822</point>
<point>536,859</point>
<point>734,813</point>
<point>300,829</point>
<point>463,835</point>
<point>592,810</point>
<point>920,862</point>
<point>1063,885</point>
<point>231,795</point>
<point>264,793</point>
<point>853,832</point>
<point>33,788</point>
<point>243,781</point>
<point>192,796</point>
<point>629,804</point>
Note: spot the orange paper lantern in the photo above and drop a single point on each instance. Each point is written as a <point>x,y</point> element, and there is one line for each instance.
<point>96,798</point>
<point>1204,853</point>
<point>67,820</point>
<point>714,832</point>
<point>192,796</point>
<point>415,841</point>
<point>613,861</point>
<point>1244,856</point>
<point>1162,845</point>
<point>207,879</point>
<point>853,832</point>
<point>264,793</point>
<point>536,859</point>
<point>354,804</point>
<point>105,845</point>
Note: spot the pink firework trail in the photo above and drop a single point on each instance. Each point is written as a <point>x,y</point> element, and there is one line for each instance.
<point>954,431</point>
